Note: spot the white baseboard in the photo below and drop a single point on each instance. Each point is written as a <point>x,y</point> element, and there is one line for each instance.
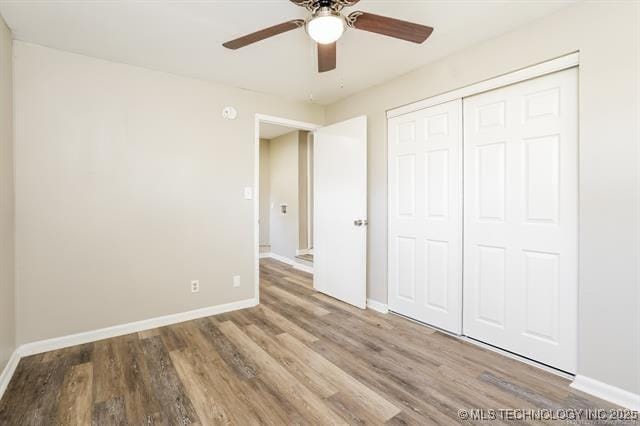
<point>607,392</point>
<point>132,327</point>
<point>283,259</point>
<point>303,268</point>
<point>105,333</point>
<point>377,306</point>
<point>7,372</point>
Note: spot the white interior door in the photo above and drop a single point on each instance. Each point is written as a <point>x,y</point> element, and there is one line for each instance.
<point>520,224</point>
<point>340,211</point>
<point>425,215</point>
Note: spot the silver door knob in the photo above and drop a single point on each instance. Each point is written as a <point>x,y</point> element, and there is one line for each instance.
<point>360,222</point>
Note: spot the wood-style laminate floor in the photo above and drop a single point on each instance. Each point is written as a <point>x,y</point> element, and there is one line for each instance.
<point>307,257</point>
<point>299,358</point>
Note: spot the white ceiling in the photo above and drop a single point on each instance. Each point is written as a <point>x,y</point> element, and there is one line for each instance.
<point>272,131</point>
<point>184,37</point>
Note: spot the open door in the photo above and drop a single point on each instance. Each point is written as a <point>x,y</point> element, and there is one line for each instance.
<point>340,211</point>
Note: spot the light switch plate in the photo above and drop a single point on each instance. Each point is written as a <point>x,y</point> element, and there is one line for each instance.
<point>248,193</point>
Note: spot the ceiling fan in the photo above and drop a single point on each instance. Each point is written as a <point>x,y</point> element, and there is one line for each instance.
<point>327,24</point>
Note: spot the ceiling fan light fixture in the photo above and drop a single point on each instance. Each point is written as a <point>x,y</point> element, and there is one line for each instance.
<point>326,26</point>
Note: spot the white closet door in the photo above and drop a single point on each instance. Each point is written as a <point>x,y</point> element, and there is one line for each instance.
<point>520,218</point>
<point>425,215</point>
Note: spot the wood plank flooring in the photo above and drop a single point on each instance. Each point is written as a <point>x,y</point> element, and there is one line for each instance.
<point>307,257</point>
<point>300,357</point>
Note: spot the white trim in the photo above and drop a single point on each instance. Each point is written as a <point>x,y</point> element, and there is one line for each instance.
<point>263,118</point>
<point>256,208</point>
<point>265,255</point>
<point>304,251</point>
<point>282,259</point>
<point>290,262</point>
<point>377,306</point>
<point>7,372</point>
<point>132,327</point>
<point>558,64</point>
<point>303,268</point>
<point>299,125</point>
<point>607,392</point>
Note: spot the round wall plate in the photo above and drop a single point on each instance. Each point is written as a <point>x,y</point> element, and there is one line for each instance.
<point>230,113</point>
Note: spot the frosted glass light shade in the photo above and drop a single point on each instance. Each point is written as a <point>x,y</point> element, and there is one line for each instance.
<point>325,29</point>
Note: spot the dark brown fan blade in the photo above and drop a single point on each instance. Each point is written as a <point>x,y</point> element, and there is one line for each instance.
<point>391,27</point>
<point>326,57</point>
<point>262,34</point>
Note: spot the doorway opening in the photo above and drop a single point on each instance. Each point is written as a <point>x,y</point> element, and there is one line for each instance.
<point>284,188</point>
<point>286,195</point>
<point>315,204</point>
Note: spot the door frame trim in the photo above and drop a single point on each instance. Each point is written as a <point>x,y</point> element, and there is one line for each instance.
<point>527,73</point>
<point>270,119</point>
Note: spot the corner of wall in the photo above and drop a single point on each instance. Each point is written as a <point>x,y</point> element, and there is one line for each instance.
<point>7,206</point>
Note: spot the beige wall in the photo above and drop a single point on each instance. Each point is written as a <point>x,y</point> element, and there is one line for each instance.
<point>310,141</point>
<point>607,34</point>
<point>129,184</point>
<point>7,290</point>
<point>283,180</point>
<point>303,190</point>
<point>265,185</point>
<point>283,152</point>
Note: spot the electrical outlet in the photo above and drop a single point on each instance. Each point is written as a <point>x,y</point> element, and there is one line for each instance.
<point>195,286</point>
<point>236,280</point>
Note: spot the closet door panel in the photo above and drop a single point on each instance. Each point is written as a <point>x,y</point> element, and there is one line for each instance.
<point>520,218</point>
<point>425,215</point>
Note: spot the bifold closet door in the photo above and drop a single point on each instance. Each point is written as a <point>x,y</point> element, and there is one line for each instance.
<point>520,218</point>
<point>425,215</point>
